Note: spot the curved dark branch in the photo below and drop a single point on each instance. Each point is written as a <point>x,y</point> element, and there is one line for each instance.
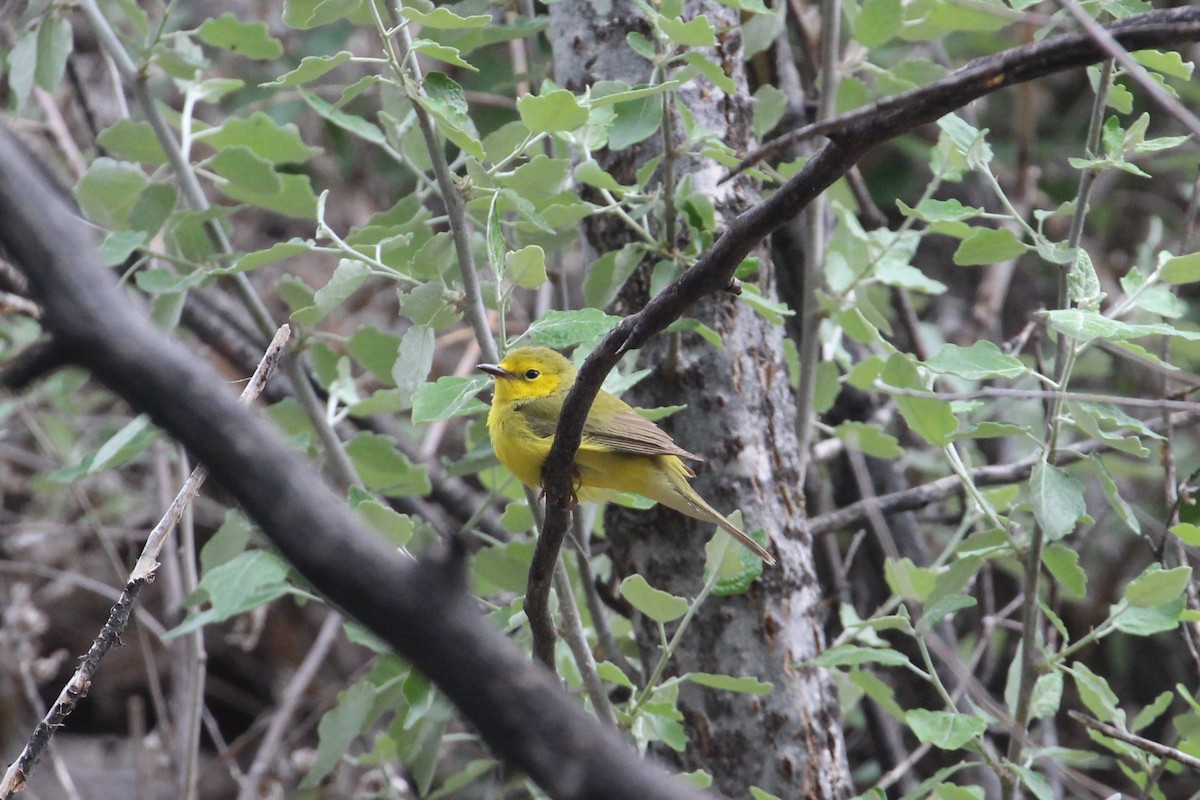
<point>422,609</point>
<point>854,135</point>
<point>990,73</point>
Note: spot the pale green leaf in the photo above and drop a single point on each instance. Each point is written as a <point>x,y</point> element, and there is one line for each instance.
<point>656,604</point>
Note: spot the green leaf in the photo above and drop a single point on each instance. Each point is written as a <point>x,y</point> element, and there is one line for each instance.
<point>869,439</point>
<point>347,278</point>
<point>988,246</point>
<point>132,440</point>
<point>635,121</point>
<point>770,104</point>
<point>561,329</point>
<point>348,122</point>
<point>502,568</point>
<point>1180,269</point>
<point>738,567</point>
<point>526,267</point>
<point>772,310</point>
<point>1063,564</point>
<point>591,173</point>
<point>246,581</point>
<point>449,397</point>
<point>397,528</point>
<point>1096,694</point>
<point>414,359</point>
<point>610,672</point>
<point>443,53</point>
<point>1157,586</point>
<point>442,18</point>
<point>279,251</point>
<point>307,14</point>
<point>278,144</point>
<point>385,469</point>
<point>1047,696</point>
<point>931,210</point>
<point>339,728</point>
<point>656,604</point>
<point>696,32</point>
<point>1168,62</point>
<point>878,21</point>
<point>54,42</point>
<point>939,610</point>
<point>1148,621</point>
<point>132,141</point>
<point>981,361</point>
<point>852,655</point>
<point>240,167</point>
<point>249,39</point>
<point>119,245</point>
<point>928,417</point>
<point>1150,713</point>
<point>908,580</point>
<point>229,541</point>
<point>944,729</point>
<point>309,69</point>
<point>108,190</point>
<point>1188,533</point>
<point>22,66</point>
<point>552,112</point>
<point>294,199</point>
<point>1057,499</point>
<point>709,69</point>
<point>729,683</point>
<point>444,99</point>
<point>1112,493</point>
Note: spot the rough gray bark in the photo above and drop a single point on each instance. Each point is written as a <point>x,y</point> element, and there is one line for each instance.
<point>740,418</point>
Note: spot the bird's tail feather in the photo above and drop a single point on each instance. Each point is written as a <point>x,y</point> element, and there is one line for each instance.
<point>684,499</point>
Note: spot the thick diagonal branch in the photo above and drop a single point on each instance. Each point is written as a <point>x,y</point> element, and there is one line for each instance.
<point>423,609</point>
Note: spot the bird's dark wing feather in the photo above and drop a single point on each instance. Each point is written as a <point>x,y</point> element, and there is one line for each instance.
<point>625,431</point>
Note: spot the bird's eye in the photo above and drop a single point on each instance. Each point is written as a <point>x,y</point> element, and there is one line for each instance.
<point>532,375</point>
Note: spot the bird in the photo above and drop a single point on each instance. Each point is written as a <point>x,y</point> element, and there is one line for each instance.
<point>621,451</point>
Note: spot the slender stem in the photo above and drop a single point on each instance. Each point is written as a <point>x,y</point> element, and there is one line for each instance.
<point>282,721</point>
<point>670,647</point>
<point>576,639</point>
<point>814,250</point>
<point>293,365</point>
<point>1031,614</point>
<point>409,72</point>
<point>1105,40</point>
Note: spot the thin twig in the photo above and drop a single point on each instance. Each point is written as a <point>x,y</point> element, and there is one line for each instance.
<point>1031,616</point>
<point>942,488</point>
<point>1152,747</point>
<point>409,72</point>
<point>80,683</point>
<point>813,282</point>
<point>1104,39</point>
<point>285,712</point>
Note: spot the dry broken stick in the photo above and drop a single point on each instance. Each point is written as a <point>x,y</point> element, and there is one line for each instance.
<point>118,617</point>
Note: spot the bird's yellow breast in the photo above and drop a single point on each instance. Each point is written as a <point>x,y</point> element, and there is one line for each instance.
<point>517,447</point>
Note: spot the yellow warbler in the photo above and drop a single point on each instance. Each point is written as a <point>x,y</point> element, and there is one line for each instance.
<point>621,451</point>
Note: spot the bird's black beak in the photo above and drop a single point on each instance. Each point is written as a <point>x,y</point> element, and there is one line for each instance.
<point>495,370</point>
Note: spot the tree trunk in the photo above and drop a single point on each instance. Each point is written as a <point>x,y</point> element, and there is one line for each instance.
<point>740,418</point>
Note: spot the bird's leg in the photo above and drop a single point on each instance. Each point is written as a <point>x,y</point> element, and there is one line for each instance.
<point>576,485</point>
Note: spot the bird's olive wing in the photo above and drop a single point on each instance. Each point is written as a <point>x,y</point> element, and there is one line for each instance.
<point>630,432</point>
<point>620,431</point>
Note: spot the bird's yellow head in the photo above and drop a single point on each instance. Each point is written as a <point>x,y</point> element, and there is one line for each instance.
<point>529,373</point>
